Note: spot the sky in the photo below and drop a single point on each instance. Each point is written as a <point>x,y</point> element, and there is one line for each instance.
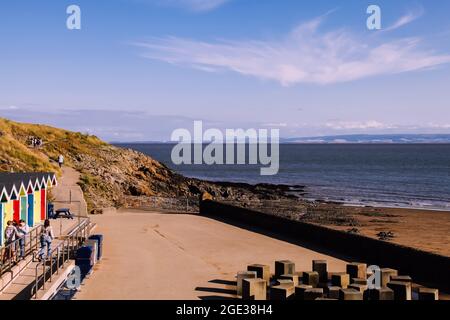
<point>138,69</point>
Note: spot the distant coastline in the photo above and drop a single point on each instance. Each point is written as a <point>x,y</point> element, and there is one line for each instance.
<point>347,139</point>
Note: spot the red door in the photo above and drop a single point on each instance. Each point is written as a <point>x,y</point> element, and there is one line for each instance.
<point>43,204</point>
<point>16,209</point>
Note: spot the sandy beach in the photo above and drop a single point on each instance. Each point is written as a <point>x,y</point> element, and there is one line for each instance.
<point>422,229</point>
<point>167,256</point>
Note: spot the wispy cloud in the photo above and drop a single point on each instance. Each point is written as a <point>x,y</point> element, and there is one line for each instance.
<point>193,5</point>
<point>358,125</point>
<point>305,55</point>
<point>406,19</point>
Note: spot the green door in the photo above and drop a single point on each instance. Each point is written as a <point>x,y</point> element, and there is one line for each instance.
<point>23,208</point>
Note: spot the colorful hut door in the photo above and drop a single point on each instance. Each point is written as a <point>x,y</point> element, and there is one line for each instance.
<point>23,208</point>
<point>30,210</point>
<point>16,208</point>
<point>43,204</point>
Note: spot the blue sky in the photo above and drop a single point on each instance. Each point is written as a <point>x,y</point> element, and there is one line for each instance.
<point>140,68</point>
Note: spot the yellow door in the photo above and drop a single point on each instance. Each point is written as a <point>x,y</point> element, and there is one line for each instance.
<point>9,212</point>
<point>37,207</point>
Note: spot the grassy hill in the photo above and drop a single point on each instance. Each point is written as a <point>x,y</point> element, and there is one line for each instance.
<point>17,155</point>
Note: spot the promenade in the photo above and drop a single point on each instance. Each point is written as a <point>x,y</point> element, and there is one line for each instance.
<point>149,255</point>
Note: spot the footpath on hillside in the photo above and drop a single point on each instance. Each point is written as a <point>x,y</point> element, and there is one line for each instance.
<point>68,193</point>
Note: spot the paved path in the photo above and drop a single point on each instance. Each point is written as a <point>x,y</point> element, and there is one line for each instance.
<point>164,256</point>
<point>68,193</point>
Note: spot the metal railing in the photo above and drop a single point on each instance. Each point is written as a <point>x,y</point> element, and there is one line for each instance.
<point>19,248</point>
<point>293,209</point>
<point>60,255</point>
<point>165,204</point>
<point>76,207</point>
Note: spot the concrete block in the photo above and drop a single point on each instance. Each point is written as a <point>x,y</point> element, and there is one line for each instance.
<point>358,281</point>
<point>311,278</point>
<point>428,294</point>
<point>357,270</point>
<point>300,291</point>
<point>254,289</point>
<point>350,294</point>
<point>292,277</point>
<point>379,294</point>
<point>332,292</point>
<point>358,287</point>
<point>241,276</point>
<point>262,271</point>
<point>313,294</point>
<point>323,285</point>
<point>320,266</point>
<point>386,274</point>
<point>402,290</point>
<point>282,292</point>
<point>401,279</point>
<point>299,274</point>
<point>284,267</point>
<point>284,281</point>
<point>340,280</point>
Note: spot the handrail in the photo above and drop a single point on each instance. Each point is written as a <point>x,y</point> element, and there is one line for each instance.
<point>10,252</point>
<point>64,250</point>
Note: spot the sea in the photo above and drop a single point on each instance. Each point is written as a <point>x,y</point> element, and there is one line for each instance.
<point>386,175</point>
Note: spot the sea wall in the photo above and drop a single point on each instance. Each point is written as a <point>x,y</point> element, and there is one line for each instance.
<point>424,267</point>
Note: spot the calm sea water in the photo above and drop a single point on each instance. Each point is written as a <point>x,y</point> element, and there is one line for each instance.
<point>388,175</point>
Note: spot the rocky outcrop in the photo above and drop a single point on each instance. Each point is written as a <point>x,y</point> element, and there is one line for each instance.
<point>111,176</point>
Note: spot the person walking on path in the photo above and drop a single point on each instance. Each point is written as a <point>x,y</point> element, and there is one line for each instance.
<point>23,230</point>
<point>47,237</point>
<point>60,160</point>
<point>11,234</point>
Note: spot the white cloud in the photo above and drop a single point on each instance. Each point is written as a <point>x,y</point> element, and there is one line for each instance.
<point>406,19</point>
<point>357,125</point>
<point>438,125</point>
<point>275,125</point>
<point>12,107</point>
<point>305,55</point>
<point>193,5</point>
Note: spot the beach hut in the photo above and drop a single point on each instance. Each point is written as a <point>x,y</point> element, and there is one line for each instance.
<point>14,198</point>
<point>54,181</point>
<point>3,201</point>
<point>30,196</point>
<point>23,196</point>
<point>12,203</point>
<point>37,202</point>
<point>43,199</point>
<point>48,180</point>
<point>23,202</point>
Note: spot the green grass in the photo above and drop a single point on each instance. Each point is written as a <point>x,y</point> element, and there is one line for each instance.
<point>16,155</point>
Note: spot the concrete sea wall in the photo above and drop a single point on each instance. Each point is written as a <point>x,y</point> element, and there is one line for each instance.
<point>424,267</point>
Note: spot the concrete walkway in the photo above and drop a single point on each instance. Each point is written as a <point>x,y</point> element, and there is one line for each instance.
<point>167,256</point>
<point>68,194</point>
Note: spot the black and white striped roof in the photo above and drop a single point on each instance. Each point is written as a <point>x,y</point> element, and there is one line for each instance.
<point>11,183</point>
